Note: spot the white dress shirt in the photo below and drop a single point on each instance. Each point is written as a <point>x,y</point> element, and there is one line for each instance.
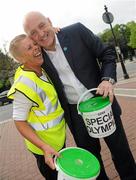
<point>72,86</point>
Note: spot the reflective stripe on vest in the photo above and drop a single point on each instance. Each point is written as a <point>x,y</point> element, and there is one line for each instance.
<point>46,101</point>
<point>45,126</point>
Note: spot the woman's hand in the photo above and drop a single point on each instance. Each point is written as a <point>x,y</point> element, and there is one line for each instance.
<point>49,153</point>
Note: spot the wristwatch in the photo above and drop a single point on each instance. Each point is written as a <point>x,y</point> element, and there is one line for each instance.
<point>111,80</point>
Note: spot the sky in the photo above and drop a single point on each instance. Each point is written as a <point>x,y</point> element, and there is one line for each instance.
<point>63,13</point>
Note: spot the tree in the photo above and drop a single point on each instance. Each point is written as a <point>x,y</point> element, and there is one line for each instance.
<point>125,38</point>
<point>7,69</point>
<point>132,42</point>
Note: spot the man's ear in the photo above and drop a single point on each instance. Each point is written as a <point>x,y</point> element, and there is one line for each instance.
<point>56,29</point>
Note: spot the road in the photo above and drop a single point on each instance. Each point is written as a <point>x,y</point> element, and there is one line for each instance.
<point>6,111</point>
<point>130,67</point>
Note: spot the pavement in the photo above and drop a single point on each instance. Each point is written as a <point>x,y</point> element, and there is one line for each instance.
<point>16,163</point>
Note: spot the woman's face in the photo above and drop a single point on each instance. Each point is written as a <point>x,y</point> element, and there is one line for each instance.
<point>31,54</point>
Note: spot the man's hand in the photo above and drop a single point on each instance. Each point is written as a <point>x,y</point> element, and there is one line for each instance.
<point>56,29</point>
<point>49,153</point>
<point>105,89</point>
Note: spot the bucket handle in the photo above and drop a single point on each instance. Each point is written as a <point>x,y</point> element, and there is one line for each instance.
<point>82,96</point>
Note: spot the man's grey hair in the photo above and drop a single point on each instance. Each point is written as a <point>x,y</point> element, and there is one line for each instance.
<point>30,17</point>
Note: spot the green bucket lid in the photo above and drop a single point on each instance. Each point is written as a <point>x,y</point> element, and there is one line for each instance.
<point>78,163</point>
<point>93,104</point>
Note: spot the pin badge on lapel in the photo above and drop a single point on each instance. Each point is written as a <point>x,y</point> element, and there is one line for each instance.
<point>65,48</point>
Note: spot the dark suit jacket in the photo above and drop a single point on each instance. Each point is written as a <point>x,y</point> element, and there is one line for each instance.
<point>88,57</point>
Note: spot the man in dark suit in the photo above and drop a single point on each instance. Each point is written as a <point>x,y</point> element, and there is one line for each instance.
<point>76,60</point>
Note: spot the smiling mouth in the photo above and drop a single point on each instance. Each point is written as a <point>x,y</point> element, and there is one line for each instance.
<point>38,54</point>
<point>45,37</point>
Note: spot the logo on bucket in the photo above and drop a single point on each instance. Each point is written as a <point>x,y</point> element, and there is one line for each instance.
<point>97,115</point>
<point>101,123</point>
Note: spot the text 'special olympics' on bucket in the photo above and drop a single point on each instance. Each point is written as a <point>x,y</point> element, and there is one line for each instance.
<point>97,115</point>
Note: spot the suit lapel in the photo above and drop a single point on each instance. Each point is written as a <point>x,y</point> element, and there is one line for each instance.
<point>64,41</point>
<point>66,45</point>
<point>48,66</point>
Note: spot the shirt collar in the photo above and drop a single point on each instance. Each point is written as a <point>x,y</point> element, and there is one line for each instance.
<point>56,40</point>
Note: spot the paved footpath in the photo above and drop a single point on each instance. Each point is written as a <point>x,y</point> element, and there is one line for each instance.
<point>16,163</point>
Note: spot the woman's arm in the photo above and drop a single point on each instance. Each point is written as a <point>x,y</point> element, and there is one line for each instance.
<point>27,132</point>
<point>21,108</point>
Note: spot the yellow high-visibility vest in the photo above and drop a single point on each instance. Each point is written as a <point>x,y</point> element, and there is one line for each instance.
<point>46,117</point>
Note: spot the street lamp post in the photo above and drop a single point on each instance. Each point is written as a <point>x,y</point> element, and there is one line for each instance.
<point>108,18</point>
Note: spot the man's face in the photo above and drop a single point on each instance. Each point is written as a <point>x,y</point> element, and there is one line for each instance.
<point>30,53</point>
<point>41,31</point>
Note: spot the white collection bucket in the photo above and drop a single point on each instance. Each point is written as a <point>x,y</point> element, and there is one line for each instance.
<point>77,164</point>
<point>97,115</point>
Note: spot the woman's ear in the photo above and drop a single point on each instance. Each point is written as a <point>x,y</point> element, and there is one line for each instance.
<point>49,21</point>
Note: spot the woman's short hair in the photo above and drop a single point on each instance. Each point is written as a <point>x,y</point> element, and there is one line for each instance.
<point>14,45</point>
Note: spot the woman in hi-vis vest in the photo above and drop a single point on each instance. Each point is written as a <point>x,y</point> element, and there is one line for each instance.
<point>37,112</point>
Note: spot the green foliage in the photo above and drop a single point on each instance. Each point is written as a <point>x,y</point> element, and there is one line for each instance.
<point>1,84</point>
<point>7,67</point>
<point>4,84</point>
<point>128,35</point>
<point>132,42</point>
<point>106,36</point>
<point>7,83</point>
